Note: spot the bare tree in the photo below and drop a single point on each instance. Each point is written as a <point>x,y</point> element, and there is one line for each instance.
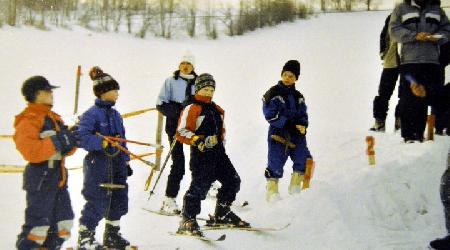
<point>12,12</point>
<point>191,21</point>
<point>147,18</point>
<point>323,5</point>
<point>209,21</point>
<point>228,21</point>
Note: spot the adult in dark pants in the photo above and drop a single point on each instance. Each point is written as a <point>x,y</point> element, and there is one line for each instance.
<point>175,93</point>
<point>202,127</point>
<point>444,243</point>
<point>419,27</point>
<point>44,141</point>
<point>389,76</point>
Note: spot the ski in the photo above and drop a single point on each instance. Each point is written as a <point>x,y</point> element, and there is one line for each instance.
<point>159,212</point>
<point>251,229</point>
<point>202,238</point>
<point>109,248</point>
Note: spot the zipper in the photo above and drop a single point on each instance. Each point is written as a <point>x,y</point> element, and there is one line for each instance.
<point>42,180</point>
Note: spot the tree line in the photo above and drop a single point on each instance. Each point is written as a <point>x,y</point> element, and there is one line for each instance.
<point>162,18</point>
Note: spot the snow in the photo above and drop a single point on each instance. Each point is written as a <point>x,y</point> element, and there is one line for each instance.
<point>350,205</point>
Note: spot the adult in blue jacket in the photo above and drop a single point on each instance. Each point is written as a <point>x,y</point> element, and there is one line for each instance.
<point>177,91</point>
<point>104,164</point>
<point>285,110</point>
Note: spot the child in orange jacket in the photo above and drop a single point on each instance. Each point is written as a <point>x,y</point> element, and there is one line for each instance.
<point>44,141</point>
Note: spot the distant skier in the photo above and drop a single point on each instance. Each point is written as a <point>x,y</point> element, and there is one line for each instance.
<point>44,141</point>
<point>419,27</point>
<point>444,243</point>
<point>389,76</point>
<point>104,164</point>
<point>285,110</point>
<point>202,126</point>
<point>175,93</point>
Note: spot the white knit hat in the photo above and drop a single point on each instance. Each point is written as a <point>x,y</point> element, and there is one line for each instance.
<point>188,57</point>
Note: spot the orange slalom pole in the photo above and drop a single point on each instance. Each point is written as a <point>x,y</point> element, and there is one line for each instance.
<point>370,140</point>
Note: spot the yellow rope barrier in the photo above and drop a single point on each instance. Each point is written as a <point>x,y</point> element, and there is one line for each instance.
<point>12,169</point>
<point>138,112</point>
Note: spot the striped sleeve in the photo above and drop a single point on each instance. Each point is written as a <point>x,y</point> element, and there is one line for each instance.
<point>187,123</point>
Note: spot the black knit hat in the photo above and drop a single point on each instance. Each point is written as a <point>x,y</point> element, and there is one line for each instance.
<point>204,80</point>
<point>292,66</point>
<point>102,81</point>
<point>32,85</point>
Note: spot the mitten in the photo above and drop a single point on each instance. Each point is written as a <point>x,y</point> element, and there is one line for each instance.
<point>64,141</point>
<point>418,90</point>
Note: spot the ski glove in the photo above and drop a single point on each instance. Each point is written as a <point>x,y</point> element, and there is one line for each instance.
<point>211,141</point>
<point>64,141</point>
<point>105,144</point>
<point>198,142</point>
<point>130,170</point>
<point>301,129</point>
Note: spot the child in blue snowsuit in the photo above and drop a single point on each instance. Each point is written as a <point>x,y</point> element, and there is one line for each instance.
<point>104,164</point>
<point>285,109</point>
<point>44,141</point>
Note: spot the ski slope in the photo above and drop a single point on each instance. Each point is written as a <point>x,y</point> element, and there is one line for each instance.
<point>350,205</point>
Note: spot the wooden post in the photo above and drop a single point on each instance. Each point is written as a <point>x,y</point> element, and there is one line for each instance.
<point>77,89</point>
<point>431,121</point>
<point>158,141</point>
<point>158,153</point>
<point>370,140</point>
<point>310,165</point>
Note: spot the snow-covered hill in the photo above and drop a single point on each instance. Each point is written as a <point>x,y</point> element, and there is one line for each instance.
<point>350,205</point>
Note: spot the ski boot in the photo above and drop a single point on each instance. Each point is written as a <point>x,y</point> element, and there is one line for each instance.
<point>53,241</point>
<point>113,239</point>
<point>224,216</point>
<point>272,190</point>
<point>379,126</point>
<point>23,243</point>
<point>169,206</point>
<point>86,239</point>
<point>189,226</point>
<point>441,244</point>
<point>295,185</point>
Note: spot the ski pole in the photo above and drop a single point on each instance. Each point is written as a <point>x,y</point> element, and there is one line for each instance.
<point>135,142</point>
<point>161,171</point>
<point>126,151</point>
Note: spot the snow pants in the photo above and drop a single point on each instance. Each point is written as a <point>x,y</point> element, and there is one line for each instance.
<point>177,169</point>
<point>207,167</point>
<point>48,213</point>
<point>386,88</point>
<point>279,153</point>
<point>101,202</point>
